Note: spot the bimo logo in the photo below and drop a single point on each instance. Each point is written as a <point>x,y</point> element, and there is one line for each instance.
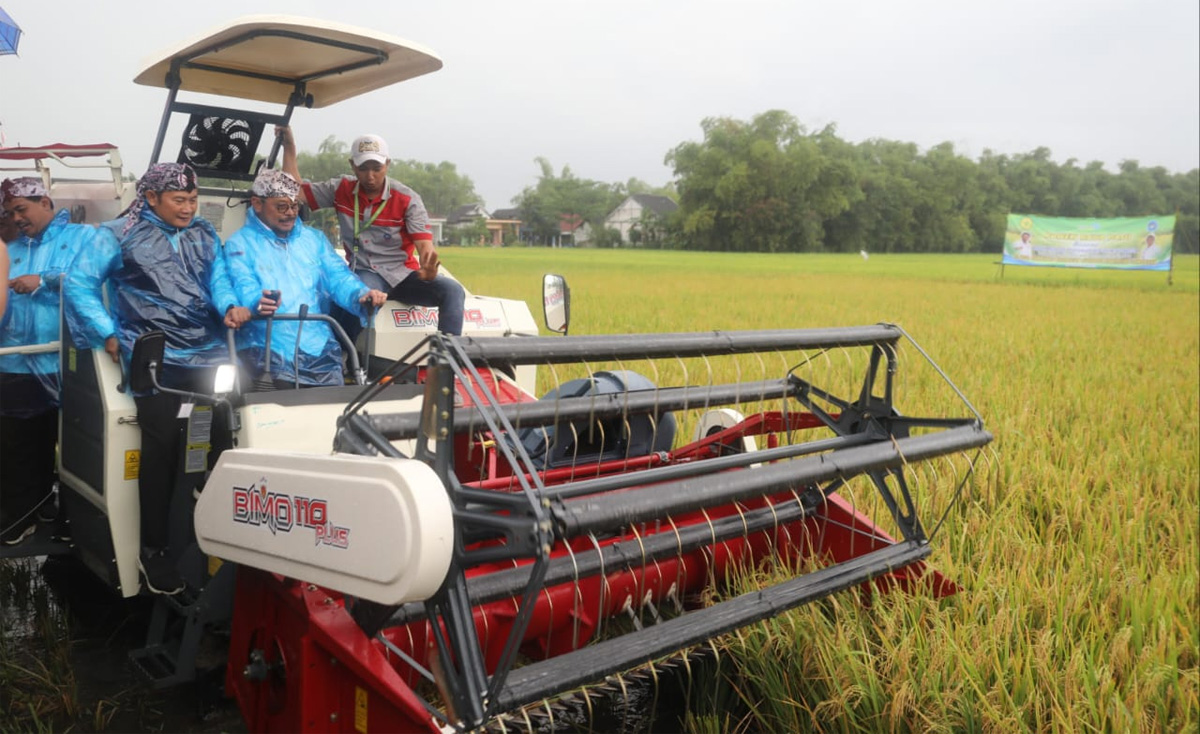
<point>281,513</point>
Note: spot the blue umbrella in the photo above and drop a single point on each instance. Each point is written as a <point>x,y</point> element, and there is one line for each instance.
<point>10,34</point>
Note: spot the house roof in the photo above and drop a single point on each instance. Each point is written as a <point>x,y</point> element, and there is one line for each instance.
<point>514,213</point>
<point>660,205</point>
<point>568,223</point>
<point>466,213</point>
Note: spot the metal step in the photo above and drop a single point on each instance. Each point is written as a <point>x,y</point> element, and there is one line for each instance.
<point>156,664</point>
<point>41,543</point>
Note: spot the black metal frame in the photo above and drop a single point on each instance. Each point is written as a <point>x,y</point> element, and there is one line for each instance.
<point>298,96</point>
<point>871,439</point>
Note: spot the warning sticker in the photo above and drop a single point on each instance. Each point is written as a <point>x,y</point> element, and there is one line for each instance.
<point>133,461</point>
<point>200,424</point>
<point>196,458</point>
<point>360,710</point>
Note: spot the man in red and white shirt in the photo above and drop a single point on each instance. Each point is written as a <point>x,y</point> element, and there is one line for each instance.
<point>384,229</point>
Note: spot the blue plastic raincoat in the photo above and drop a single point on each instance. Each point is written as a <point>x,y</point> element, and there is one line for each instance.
<point>161,279</point>
<point>33,318</point>
<point>305,269</point>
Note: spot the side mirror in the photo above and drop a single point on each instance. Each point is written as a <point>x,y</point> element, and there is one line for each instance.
<point>147,351</point>
<point>556,303</point>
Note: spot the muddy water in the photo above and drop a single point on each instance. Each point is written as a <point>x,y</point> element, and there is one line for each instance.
<point>74,635</point>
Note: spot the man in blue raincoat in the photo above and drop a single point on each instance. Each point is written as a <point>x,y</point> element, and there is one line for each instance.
<point>45,246</point>
<point>166,273</point>
<point>276,253</point>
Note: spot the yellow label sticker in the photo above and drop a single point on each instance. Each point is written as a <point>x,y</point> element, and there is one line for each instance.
<point>360,710</point>
<point>72,360</point>
<point>133,462</point>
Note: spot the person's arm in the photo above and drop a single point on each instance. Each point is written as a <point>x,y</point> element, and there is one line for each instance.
<point>416,220</point>
<point>248,286</point>
<point>318,195</point>
<point>81,238</point>
<point>343,285</point>
<point>221,292</point>
<point>288,142</point>
<point>89,321</point>
<point>427,258</point>
<point>3,279</point>
<point>242,274</point>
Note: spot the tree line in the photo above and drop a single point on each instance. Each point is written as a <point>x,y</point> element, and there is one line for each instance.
<point>771,185</point>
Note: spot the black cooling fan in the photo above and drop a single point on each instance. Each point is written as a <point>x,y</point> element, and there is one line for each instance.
<point>219,144</point>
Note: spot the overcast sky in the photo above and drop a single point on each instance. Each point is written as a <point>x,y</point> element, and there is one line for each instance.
<point>608,88</point>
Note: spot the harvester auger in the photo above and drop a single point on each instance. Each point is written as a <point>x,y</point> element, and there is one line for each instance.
<point>515,535</point>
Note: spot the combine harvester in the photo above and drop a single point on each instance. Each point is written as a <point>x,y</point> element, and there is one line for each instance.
<point>480,545</point>
<point>438,547</point>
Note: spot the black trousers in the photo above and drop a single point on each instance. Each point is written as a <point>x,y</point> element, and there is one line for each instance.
<point>176,451</point>
<point>26,463</point>
<point>28,438</point>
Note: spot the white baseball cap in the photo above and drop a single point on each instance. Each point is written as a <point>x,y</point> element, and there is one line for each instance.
<point>368,148</point>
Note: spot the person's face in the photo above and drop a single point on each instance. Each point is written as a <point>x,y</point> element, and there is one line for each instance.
<point>176,208</point>
<point>1149,240</point>
<point>8,229</point>
<point>371,176</point>
<point>28,216</point>
<point>1024,236</point>
<point>277,212</point>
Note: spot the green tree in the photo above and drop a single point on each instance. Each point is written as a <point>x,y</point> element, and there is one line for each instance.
<point>442,188</point>
<point>637,186</point>
<point>764,186</point>
<point>555,199</point>
<point>331,160</point>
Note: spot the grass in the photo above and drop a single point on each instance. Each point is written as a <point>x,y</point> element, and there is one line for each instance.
<point>37,684</point>
<point>1077,546</point>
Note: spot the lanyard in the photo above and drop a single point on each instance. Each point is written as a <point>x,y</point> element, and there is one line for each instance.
<point>358,225</point>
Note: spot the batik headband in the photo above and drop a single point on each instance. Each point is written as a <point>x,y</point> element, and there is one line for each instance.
<point>271,183</point>
<point>26,187</point>
<point>159,177</point>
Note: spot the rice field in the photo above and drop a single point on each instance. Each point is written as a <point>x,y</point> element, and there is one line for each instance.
<point>1076,545</point>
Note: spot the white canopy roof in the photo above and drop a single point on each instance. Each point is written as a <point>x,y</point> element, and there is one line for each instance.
<point>261,57</point>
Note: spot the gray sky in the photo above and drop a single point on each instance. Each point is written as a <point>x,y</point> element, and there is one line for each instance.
<point>608,88</point>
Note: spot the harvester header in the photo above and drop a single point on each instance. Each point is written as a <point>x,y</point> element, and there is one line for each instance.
<point>652,467</point>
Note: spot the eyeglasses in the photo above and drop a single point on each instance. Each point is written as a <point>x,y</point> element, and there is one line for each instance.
<point>283,207</point>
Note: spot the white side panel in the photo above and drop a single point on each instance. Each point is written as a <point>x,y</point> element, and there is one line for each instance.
<point>400,327</point>
<point>378,528</point>
<point>307,429</point>
<point>122,454</point>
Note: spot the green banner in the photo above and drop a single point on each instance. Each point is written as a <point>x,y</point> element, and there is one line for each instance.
<point>1127,243</point>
